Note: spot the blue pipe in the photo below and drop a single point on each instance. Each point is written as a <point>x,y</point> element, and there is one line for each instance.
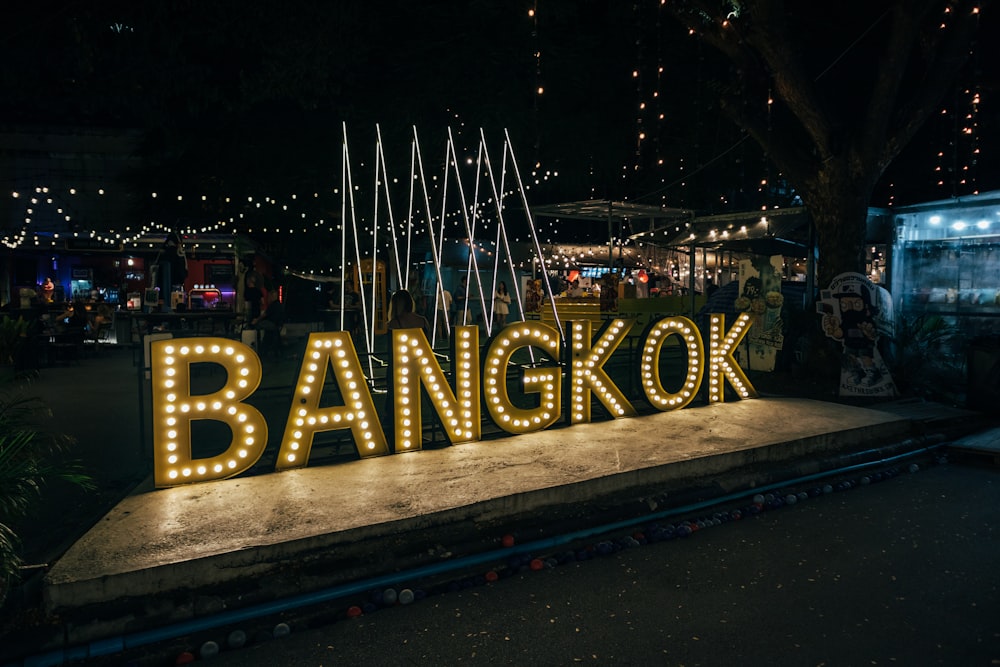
<point>118,644</point>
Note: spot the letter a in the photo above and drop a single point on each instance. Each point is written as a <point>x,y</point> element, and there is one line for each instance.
<point>306,418</point>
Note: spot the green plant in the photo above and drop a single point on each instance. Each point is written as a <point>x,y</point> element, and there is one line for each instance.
<point>30,456</point>
<point>925,357</point>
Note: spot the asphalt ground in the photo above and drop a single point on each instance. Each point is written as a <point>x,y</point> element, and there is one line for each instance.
<point>900,571</point>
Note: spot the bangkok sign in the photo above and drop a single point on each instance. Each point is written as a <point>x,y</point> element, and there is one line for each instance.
<point>414,368</point>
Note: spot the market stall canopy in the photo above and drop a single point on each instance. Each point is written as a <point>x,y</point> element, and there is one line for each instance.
<point>612,213</point>
<point>576,243</point>
<point>604,209</point>
<point>774,232</point>
<point>200,243</point>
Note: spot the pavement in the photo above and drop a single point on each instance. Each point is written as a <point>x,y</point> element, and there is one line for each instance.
<point>131,558</point>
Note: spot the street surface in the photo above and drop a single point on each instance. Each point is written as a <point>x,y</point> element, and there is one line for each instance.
<point>900,572</point>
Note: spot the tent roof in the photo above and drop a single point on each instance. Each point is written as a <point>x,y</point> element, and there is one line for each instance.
<point>773,232</point>
<point>605,209</point>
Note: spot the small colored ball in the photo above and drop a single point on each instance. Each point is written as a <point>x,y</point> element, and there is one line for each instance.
<point>208,650</point>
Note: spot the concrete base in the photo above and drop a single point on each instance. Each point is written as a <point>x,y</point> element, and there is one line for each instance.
<point>166,555</point>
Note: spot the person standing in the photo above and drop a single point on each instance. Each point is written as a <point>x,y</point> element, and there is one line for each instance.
<point>48,290</point>
<point>253,297</point>
<point>351,309</point>
<point>462,300</point>
<point>501,305</point>
<point>444,312</point>
<point>402,315</point>
<point>269,323</point>
<point>173,268</point>
<point>533,297</point>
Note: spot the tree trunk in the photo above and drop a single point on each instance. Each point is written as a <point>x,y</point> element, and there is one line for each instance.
<point>839,208</point>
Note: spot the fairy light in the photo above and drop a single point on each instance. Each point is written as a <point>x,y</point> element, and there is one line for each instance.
<point>174,408</point>
<point>414,366</point>
<point>546,381</point>
<point>652,385</point>
<point>539,86</point>
<point>587,374</point>
<point>722,364</point>
<point>325,351</point>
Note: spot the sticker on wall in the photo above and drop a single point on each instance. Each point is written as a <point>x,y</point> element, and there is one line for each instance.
<point>856,312</point>
<point>760,296</point>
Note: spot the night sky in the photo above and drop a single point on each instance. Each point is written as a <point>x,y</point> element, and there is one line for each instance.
<point>240,98</point>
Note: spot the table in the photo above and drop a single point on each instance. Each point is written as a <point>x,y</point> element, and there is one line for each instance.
<point>196,323</point>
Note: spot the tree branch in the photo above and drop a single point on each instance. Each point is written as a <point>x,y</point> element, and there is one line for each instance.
<point>948,56</point>
<point>769,35</point>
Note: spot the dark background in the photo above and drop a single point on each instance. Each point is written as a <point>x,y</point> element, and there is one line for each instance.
<point>235,98</point>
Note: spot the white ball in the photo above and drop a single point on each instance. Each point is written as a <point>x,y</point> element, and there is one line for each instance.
<point>209,650</point>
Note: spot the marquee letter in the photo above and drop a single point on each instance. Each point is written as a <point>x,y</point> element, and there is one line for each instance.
<point>306,418</point>
<point>413,364</point>
<point>587,373</point>
<point>722,365</point>
<point>545,381</point>
<point>657,335</point>
<point>174,408</point>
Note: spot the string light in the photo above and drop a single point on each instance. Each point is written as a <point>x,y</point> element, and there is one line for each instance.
<point>52,213</point>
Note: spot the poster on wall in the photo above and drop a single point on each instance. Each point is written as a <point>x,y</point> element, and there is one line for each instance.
<point>760,295</point>
<point>856,312</point>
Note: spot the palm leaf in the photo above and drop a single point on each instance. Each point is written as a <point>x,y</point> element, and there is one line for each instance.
<point>30,456</point>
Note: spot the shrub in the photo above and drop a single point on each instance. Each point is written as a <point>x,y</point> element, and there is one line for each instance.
<point>30,456</point>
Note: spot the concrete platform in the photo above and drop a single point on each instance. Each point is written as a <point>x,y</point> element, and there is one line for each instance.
<point>166,555</point>
<point>983,446</point>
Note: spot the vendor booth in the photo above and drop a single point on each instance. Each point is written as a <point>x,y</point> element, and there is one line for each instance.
<point>947,262</point>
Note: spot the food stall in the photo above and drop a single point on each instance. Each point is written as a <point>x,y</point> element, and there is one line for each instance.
<point>947,262</point>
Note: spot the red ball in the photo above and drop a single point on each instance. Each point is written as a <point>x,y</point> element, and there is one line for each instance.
<point>184,658</point>
<point>354,611</point>
<point>537,564</point>
<point>491,576</point>
<point>507,541</point>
